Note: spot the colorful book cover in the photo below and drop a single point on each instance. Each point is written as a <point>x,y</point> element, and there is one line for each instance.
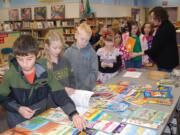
<point>106,95</point>
<point>53,128</point>
<point>34,123</point>
<point>147,117</point>
<point>136,130</point>
<point>130,44</point>
<point>158,94</point>
<point>95,114</point>
<point>17,131</point>
<point>161,101</point>
<point>123,116</point>
<point>108,126</point>
<point>161,87</point>
<point>87,131</point>
<point>118,106</point>
<point>139,101</point>
<point>56,115</point>
<point>90,131</point>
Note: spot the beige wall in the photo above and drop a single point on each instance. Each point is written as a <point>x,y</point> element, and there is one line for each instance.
<point>178,18</point>
<point>3,14</point>
<point>72,11</point>
<point>104,10</point>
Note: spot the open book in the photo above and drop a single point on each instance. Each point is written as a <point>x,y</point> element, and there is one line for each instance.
<point>81,99</point>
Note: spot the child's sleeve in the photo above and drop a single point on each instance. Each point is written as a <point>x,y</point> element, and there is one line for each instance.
<point>90,81</point>
<point>60,97</point>
<point>71,75</point>
<point>7,102</point>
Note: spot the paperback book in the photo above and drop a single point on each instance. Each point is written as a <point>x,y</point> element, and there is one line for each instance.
<point>147,117</point>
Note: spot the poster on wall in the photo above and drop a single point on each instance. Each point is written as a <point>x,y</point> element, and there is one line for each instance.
<point>26,14</point>
<point>13,14</point>
<point>58,11</point>
<point>40,13</point>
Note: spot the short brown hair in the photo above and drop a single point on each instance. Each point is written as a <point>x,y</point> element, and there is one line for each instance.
<point>25,45</point>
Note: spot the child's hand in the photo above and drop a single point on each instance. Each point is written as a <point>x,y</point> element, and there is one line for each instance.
<point>69,90</point>
<point>110,65</point>
<point>79,122</point>
<point>26,112</point>
<point>133,54</point>
<point>103,64</point>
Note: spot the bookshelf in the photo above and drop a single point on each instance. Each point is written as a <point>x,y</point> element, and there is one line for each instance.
<point>67,27</point>
<point>39,28</point>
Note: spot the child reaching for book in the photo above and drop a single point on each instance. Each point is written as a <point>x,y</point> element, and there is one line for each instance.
<point>53,53</point>
<point>27,84</point>
<point>83,59</point>
<point>109,58</point>
<point>135,62</point>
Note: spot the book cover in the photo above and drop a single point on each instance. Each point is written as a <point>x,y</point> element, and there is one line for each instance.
<point>136,130</point>
<point>17,131</point>
<point>158,94</point>
<point>118,106</point>
<point>52,128</point>
<point>147,117</point>
<point>34,123</point>
<point>95,114</point>
<point>56,115</point>
<point>161,101</point>
<point>108,126</point>
<point>130,44</point>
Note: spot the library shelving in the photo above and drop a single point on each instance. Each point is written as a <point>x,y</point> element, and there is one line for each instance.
<point>67,27</point>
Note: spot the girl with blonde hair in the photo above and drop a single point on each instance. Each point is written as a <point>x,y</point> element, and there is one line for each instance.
<point>53,53</point>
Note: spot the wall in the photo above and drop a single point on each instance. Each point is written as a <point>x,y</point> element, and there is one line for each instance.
<point>101,10</point>
<point>171,3</point>
<point>152,3</point>
<point>15,3</point>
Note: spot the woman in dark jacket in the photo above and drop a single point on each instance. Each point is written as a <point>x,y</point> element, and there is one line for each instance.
<point>164,50</point>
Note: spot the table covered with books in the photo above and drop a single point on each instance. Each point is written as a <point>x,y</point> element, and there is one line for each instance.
<point>129,104</point>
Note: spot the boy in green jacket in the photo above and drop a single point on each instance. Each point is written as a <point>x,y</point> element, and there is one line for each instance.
<point>27,84</point>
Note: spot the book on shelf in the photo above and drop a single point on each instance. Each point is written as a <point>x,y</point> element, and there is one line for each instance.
<point>7,27</point>
<point>58,23</point>
<point>39,25</point>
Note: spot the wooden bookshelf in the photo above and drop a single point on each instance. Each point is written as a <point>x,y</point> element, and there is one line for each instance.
<point>67,27</point>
